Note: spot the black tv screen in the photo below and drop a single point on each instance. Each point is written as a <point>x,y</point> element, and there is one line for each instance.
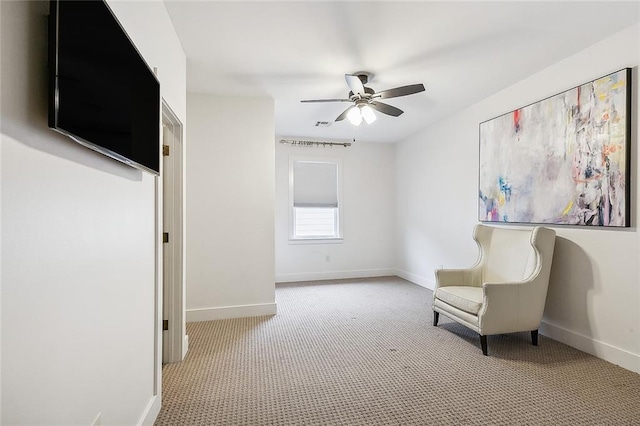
<point>101,92</point>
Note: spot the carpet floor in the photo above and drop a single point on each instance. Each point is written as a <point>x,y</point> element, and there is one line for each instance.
<point>365,352</point>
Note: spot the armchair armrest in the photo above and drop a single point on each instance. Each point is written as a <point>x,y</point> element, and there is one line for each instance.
<point>511,306</point>
<point>450,277</point>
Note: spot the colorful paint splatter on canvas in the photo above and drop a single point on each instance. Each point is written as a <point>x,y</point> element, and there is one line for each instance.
<point>563,160</point>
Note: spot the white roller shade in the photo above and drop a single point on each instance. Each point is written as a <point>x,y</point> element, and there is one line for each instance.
<point>315,184</point>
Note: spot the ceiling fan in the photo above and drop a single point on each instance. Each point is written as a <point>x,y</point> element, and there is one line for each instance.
<point>365,99</point>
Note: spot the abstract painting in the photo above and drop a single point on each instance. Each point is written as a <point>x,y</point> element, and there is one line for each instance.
<point>562,160</point>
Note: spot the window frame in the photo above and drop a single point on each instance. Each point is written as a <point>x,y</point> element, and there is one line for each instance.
<point>295,239</point>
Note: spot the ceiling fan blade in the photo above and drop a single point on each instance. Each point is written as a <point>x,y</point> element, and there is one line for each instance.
<point>354,83</point>
<point>400,91</point>
<point>344,114</point>
<point>386,109</point>
<point>327,100</point>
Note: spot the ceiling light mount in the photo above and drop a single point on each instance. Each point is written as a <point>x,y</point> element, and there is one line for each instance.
<point>364,76</point>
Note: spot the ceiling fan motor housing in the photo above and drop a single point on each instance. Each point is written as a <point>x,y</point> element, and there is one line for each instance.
<point>367,91</point>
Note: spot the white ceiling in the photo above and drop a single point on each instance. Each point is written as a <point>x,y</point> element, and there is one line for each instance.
<point>461,51</point>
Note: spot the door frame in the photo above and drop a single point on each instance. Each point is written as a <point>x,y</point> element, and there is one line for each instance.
<point>175,340</point>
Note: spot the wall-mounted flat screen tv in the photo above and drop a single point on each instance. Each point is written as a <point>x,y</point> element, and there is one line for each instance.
<point>102,93</point>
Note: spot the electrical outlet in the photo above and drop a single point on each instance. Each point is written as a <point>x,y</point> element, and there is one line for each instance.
<point>98,420</point>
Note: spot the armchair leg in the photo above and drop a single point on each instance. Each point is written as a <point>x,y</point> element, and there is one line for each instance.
<point>436,317</point>
<point>534,337</point>
<point>483,343</point>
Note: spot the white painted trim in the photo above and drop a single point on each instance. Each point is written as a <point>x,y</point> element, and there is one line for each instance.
<point>150,412</point>
<point>316,241</point>
<point>416,279</point>
<point>1,286</point>
<point>334,275</point>
<point>185,346</point>
<point>227,312</point>
<point>605,351</point>
<point>174,289</point>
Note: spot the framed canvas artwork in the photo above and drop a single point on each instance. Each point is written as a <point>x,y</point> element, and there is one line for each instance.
<point>562,160</point>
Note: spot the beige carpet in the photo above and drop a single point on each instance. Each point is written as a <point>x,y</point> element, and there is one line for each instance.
<point>365,352</point>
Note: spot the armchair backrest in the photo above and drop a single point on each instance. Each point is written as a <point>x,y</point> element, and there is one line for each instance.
<point>508,255</point>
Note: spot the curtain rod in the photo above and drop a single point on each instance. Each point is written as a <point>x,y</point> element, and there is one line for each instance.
<point>316,143</point>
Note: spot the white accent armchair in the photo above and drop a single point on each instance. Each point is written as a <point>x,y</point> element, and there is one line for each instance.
<point>505,291</point>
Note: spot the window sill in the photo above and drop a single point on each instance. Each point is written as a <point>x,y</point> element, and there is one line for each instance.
<point>315,240</point>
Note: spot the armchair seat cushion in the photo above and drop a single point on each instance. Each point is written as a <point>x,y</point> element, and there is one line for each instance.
<point>465,298</point>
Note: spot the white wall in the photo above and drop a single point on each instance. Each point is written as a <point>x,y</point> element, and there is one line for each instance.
<point>1,38</point>
<point>594,293</point>
<point>368,213</point>
<point>230,212</point>
<point>149,26</point>
<point>78,242</point>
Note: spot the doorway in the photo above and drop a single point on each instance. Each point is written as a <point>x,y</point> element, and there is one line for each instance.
<point>174,338</point>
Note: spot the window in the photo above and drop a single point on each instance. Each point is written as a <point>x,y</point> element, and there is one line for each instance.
<point>314,198</point>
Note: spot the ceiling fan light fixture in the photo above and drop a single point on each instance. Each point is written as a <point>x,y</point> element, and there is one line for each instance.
<point>354,116</point>
<point>368,114</point>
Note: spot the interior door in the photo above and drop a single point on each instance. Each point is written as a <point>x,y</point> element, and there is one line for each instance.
<point>174,342</point>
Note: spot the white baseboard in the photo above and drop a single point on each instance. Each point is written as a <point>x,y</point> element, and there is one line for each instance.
<point>150,413</point>
<point>609,353</point>
<point>612,354</point>
<point>416,279</point>
<point>227,312</point>
<point>185,346</point>
<point>334,275</point>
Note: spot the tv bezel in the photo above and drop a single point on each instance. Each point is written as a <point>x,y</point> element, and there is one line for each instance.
<point>54,93</point>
